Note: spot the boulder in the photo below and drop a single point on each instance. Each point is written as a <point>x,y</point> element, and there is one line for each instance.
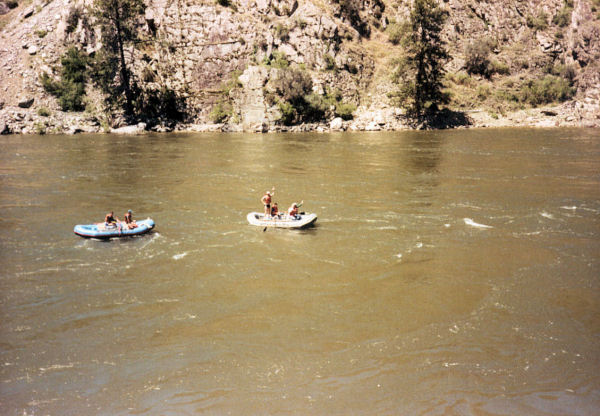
<point>379,118</point>
<point>373,126</point>
<point>134,129</point>
<point>74,130</point>
<point>26,102</point>
<point>336,124</point>
<point>32,50</point>
<point>258,127</point>
<point>28,12</point>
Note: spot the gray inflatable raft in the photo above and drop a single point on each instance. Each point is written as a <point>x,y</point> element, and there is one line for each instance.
<point>282,220</point>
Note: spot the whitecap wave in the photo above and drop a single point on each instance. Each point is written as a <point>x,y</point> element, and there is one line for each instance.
<point>472,223</point>
<point>180,256</point>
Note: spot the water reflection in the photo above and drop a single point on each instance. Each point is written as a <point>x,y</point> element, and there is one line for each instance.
<point>423,158</point>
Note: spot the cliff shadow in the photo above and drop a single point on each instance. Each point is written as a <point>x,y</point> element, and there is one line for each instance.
<point>443,119</point>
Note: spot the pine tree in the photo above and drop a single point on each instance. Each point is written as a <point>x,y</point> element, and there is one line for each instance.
<point>117,20</point>
<point>420,72</point>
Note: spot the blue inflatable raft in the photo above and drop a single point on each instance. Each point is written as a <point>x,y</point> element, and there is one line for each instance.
<point>120,230</point>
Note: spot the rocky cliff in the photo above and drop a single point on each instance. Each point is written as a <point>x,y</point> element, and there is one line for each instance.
<point>345,46</point>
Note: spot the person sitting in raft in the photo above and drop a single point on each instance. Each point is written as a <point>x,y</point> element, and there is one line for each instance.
<point>275,210</point>
<point>110,220</point>
<point>293,211</point>
<point>129,221</point>
<point>266,200</point>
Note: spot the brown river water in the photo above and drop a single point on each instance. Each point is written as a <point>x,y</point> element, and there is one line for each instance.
<point>449,273</point>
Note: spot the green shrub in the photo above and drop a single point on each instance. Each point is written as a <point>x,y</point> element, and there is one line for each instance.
<point>345,110</point>
<point>71,97</point>
<point>483,91</point>
<point>329,62</point>
<point>223,109</point>
<point>296,101</point>
<point>288,113</point>
<point>70,89</point>
<point>49,85</point>
<point>395,33</point>
<point>75,14</point>
<point>282,32</point>
<point>148,74</point>
<point>40,127</point>
<point>315,107</point>
<point>292,85</point>
<point>221,112</point>
<point>500,68</point>
<point>567,72</point>
<point>43,112</point>
<point>546,90</point>
<point>301,23</point>
<point>539,22</point>
<point>507,96</point>
<point>563,17</point>
<point>477,58</point>
<point>462,78</point>
<point>157,103</point>
<point>350,10</point>
<point>41,33</point>
<point>278,60</point>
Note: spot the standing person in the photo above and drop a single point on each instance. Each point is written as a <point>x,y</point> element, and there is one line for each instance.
<point>129,221</point>
<point>266,200</point>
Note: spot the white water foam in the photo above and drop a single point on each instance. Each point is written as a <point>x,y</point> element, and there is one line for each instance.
<point>180,256</point>
<point>472,223</point>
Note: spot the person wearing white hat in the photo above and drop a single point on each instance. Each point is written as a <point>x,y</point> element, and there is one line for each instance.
<point>266,200</point>
<point>293,210</point>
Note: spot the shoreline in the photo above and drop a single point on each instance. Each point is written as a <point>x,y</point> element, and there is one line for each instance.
<point>17,120</point>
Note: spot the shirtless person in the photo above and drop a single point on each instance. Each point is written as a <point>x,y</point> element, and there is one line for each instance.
<point>110,220</point>
<point>266,200</point>
<point>129,221</point>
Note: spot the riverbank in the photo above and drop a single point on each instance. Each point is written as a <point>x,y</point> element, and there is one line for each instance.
<point>18,120</point>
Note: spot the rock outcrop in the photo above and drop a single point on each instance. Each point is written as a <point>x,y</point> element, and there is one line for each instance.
<point>194,47</point>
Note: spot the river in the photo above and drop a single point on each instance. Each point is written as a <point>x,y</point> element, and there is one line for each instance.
<point>449,273</point>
